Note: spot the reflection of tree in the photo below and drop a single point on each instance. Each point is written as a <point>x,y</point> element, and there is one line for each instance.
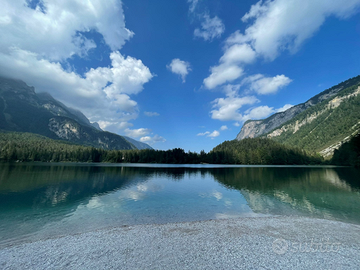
<point>316,192</point>
<point>32,185</point>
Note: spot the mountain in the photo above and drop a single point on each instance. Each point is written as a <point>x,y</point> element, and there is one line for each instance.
<point>23,110</point>
<point>321,124</point>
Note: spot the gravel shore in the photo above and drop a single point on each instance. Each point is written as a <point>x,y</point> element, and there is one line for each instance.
<point>244,243</point>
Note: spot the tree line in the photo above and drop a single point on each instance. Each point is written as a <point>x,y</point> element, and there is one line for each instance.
<point>31,147</point>
<point>348,154</point>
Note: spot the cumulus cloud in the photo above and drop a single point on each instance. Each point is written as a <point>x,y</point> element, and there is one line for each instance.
<point>211,28</point>
<point>209,134</point>
<point>258,113</point>
<point>223,128</point>
<point>151,114</point>
<point>227,109</point>
<point>285,25</point>
<point>39,42</point>
<point>102,93</point>
<point>238,53</point>
<point>267,85</point>
<point>262,112</point>
<point>152,140</point>
<point>193,5</point>
<point>214,134</point>
<point>230,66</point>
<point>136,133</point>
<point>203,134</point>
<point>275,26</point>
<point>284,108</point>
<point>179,67</point>
<point>56,33</point>
<point>222,74</point>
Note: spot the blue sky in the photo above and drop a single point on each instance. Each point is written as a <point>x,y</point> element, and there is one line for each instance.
<point>183,73</point>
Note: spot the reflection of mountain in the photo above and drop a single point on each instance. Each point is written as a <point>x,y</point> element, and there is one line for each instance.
<point>34,185</point>
<point>317,192</point>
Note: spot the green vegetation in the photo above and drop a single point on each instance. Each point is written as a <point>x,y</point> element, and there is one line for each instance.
<point>31,147</point>
<point>327,128</point>
<point>348,154</point>
<point>262,151</point>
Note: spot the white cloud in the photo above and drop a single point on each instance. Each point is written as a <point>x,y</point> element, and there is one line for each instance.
<point>285,25</point>
<point>136,133</point>
<point>214,134</point>
<point>275,26</point>
<point>222,74</point>
<point>211,28</point>
<point>203,134</point>
<point>227,109</point>
<point>267,85</point>
<point>193,4</point>
<point>151,114</point>
<point>284,108</point>
<point>38,41</point>
<point>223,128</point>
<point>229,70</point>
<point>209,134</point>
<point>179,67</point>
<point>102,94</point>
<point>56,33</point>
<point>262,112</point>
<point>239,53</point>
<point>152,140</point>
<point>258,113</point>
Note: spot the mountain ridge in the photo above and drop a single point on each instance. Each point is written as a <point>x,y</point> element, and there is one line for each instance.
<point>317,115</point>
<point>256,128</point>
<point>23,110</point>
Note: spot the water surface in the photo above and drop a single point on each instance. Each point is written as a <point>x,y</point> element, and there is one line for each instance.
<point>40,200</point>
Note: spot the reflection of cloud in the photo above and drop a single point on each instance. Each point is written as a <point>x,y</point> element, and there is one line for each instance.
<point>139,193</point>
<point>142,188</point>
<point>94,202</point>
<point>217,195</point>
<point>132,195</point>
<point>228,203</point>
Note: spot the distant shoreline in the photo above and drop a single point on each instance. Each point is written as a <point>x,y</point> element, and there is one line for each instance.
<point>261,242</point>
<point>172,165</point>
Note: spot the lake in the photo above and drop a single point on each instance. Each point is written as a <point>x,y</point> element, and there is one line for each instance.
<point>42,200</point>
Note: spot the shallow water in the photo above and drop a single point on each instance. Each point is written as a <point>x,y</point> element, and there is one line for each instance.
<point>40,200</point>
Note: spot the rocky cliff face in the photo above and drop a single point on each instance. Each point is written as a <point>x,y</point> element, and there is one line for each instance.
<point>23,110</point>
<point>252,129</point>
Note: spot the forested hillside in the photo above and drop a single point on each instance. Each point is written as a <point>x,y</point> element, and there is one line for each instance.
<point>24,110</point>
<point>31,147</point>
<point>263,151</point>
<point>323,125</point>
<point>348,154</point>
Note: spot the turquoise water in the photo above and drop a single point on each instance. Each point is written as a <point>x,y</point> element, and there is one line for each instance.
<point>41,200</point>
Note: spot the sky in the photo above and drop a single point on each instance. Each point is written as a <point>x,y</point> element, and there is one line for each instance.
<point>180,74</point>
